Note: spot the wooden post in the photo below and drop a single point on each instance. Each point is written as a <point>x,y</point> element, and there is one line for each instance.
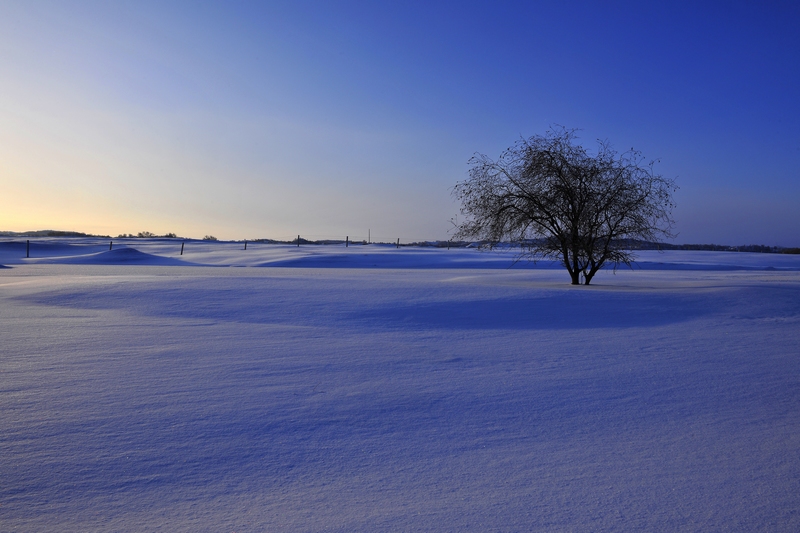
<point>298,241</point>
<point>347,241</point>
<point>398,242</point>
<point>182,247</point>
<point>448,244</point>
<point>245,244</point>
<point>369,236</point>
<point>28,249</point>
<point>110,245</point>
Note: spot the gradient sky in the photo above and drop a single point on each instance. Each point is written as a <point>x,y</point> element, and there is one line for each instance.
<point>269,119</point>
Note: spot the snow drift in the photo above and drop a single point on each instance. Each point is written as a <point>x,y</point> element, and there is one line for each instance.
<point>139,396</point>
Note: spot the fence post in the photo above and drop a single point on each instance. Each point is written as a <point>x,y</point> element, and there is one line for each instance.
<point>245,244</point>
<point>182,247</point>
<point>110,245</point>
<point>298,241</point>
<point>347,241</point>
<point>27,248</point>
<point>398,242</point>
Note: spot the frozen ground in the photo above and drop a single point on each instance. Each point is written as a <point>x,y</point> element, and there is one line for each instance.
<point>403,390</point>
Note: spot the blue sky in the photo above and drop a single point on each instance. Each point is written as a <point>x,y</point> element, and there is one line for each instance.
<point>247,120</point>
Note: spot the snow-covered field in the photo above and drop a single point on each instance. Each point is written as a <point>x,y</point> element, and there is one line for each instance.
<point>378,389</point>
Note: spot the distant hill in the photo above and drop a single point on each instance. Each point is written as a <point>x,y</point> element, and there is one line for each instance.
<point>645,245</point>
<point>635,245</point>
<point>758,248</point>
<point>49,233</point>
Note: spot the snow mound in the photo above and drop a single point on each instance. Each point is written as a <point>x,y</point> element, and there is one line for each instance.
<point>414,258</point>
<point>118,256</point>
<point>335,399</point>
<point>163,252</point>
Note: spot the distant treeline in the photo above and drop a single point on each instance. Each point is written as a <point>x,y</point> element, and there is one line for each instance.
<point>59,233</point>
<point>147,235</point>
<point>50,233</point>
<point>645,245</point>
<point>634,245</point>
<point>758,248</point>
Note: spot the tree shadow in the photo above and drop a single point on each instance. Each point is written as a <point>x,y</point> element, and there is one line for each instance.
<point>571,311</point>
<point>553,309</point>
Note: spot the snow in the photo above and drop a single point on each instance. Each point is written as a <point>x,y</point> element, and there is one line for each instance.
<point>370,388</point>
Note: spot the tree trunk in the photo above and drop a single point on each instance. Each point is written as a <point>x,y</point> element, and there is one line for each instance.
<point>575,271</point>
<point>593,271</point>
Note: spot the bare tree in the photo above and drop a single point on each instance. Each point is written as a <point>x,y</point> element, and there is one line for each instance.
<point>555,200</point>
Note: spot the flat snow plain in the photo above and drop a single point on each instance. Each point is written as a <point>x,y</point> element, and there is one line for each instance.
<point>325,388</point>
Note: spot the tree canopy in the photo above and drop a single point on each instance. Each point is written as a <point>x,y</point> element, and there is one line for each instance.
<point>554,199</point>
